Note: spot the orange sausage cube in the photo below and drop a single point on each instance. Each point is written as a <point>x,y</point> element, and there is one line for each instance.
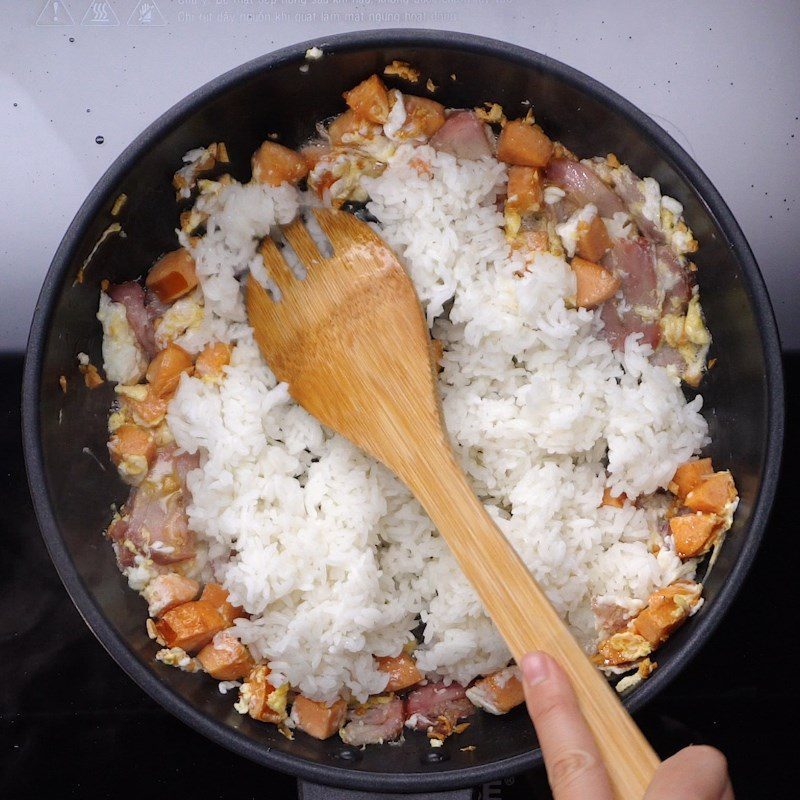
<point>689,475</point>
<point>402,671</point>
<point>531,241</point>
<point>525,189</point>
<point>349,123</point>
<point>666,609</point>
<point>694,533</point>
<point>713,494</point>
<point>264,702</point>
<point>524,145</point>
<point>275,164</point>
<point>423,116</point>
<point>166,368</point>
<point>593,240</point>
<point>318,719</point>
<point>172,276</point>
<point>498,693</point>
<point>167,591</point>
<point>595,284</point>
<point>614,502</point>
<point>225,658</point>
<point>369,100</point>
<point>149,411</point>
<point>190,626</point>
<point>132,441</point>
<point>622,648</point>
<point>211,361</point>
<point>217,596</point>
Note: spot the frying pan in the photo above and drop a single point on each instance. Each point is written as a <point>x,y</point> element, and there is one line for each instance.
<point>73,484</point>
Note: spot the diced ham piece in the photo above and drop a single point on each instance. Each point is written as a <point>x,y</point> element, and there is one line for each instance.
<point>674,280</point>
<point>667,356</point>
<point>583,185</point>
<point>131,295</point>
<point>462,135</point>
<point>620,325</point>
<point>375,723</point>
<point>154,522</point>
<point>628,187</point>
<point>634,262</point>
<point>425,704</point>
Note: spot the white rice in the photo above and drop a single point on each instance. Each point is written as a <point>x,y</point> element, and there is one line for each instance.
<point>327,550</point>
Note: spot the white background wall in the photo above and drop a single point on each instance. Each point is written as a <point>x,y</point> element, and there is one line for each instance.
<point>723,77</point>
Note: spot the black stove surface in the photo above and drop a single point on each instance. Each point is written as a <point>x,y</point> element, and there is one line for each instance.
<point>73,725</point>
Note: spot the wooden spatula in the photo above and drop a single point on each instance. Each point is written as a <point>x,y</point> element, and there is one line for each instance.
<point>351,341</point>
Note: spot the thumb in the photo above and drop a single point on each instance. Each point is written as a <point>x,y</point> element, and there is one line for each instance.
<point>694,773</point>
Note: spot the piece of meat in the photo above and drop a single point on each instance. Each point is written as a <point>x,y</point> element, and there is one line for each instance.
<point>165,370</point>
<point>319,720</point>
<point>426,703</point>
<point>172,276</point>
<point>618,325</point>
<point>166,591</point>
<point>379,720</point>
<point>212,361</point>
<point>583,185</point>
<point>713,494</point>
<point>499,692</point>
<point>666,356</point>
<point>595,284</point>
<point>609,617</point>
<point>694,534</point>
<point>190,626</point>
<point>593,240</point>
<point>369,100</point>
<point>133,451</point>
<point>218,597</point>
<point>667,609</point>
<point>524,191</point>
<point>154,523</point>
<point>633,261</point>
<point>131,295</point>
<point>424,117</point>
<point>523,144</point>
<point>611,500</point>
<point>275,164</point>
<point>628,186</point>
<point>263,701</point>
<point>402,671</point>
<point>463,135</point>
<point>674,280</point>
<point>690,475</point>
<point>225,658</point>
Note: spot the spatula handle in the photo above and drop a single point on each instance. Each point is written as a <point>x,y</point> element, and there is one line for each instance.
<point>524,616</point>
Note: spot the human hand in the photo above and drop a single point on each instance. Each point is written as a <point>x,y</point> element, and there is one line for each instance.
<point>574,767</point>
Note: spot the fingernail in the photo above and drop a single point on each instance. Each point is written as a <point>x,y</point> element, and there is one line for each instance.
<point>535,668</point>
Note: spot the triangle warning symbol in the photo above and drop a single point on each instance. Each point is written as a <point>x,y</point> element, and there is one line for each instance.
<point>146,13</point>
<point>99,14</point>
<point>55,12</point>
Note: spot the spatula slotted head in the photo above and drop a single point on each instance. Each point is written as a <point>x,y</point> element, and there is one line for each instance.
<point>350,338</point>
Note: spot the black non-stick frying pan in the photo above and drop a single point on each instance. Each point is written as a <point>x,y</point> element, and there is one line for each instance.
<point>73,485</point>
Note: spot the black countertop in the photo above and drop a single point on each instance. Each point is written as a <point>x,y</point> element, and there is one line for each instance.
<point>73,725</point>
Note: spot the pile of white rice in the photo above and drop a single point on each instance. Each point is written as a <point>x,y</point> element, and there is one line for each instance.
<point>328,552</point>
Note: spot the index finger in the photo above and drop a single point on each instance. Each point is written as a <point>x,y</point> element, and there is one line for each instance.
<point>574,767</point>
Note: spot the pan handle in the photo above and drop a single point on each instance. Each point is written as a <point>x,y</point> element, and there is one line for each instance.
<point>314,791</point>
